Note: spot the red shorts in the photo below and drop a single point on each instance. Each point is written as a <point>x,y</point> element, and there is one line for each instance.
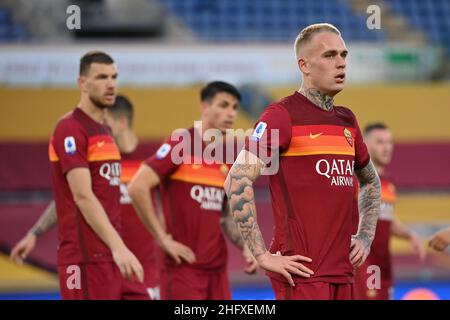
<point>312,291</point>
<point>362,292</point>
<point>151,281</point>
<point>98,281</point>
<point>373,294</point>
<point>184,283</point>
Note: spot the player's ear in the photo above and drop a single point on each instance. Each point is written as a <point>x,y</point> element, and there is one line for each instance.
<point>204,105</point>
<point>303,65</point>
<point>82,83</point>
<point>124,122</point>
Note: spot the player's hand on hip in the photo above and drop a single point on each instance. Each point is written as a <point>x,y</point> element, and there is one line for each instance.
<point>358,252</point>
<point>177,250</point>
<point>440,240</point>
<point>252,264</point>
<point>128,264</point>
<point>285,265</point>
<point>23,248</point>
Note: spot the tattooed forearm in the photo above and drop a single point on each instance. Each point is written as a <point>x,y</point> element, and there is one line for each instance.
<point>46,221</point>
<point>239,189</point>
<point>369,203</point>
<point>320,99</point>
<point>230,228</point>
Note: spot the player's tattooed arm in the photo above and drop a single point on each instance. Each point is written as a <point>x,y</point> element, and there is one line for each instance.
<point>230,228</point>
<point>369,203</point>
<point>320,99</point>
<point>239,189</point>
<point>46,221</point>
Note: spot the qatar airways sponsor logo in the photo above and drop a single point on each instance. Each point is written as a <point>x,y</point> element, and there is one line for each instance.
<point>209,198</point>
<point>111,172</point>
<point>338,171</point>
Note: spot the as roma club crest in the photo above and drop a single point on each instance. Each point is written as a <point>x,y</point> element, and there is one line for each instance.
<point>348,136</point>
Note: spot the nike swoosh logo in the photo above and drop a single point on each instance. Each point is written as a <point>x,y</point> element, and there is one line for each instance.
<point>314,136</point>
<point>100,144</point>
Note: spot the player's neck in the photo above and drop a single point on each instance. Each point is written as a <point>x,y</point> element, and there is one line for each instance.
<point>127,141</point>
<point>321,100</point>
<point>204,128</point>
<point>91,110</point>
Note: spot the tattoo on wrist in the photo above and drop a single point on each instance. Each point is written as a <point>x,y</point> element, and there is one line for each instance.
<point>365,240</point>
<point>36,231</point>
<point>47,221</point>
<point>260,254</point>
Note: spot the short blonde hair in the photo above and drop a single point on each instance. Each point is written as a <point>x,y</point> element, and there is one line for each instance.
<point>307,33</point>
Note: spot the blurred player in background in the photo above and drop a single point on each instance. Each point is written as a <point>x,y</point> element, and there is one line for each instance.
<point>119,118</point>
<point>85,164</point>
<point>320,145</point>
<point>380,144</point>
<point>194,205</point>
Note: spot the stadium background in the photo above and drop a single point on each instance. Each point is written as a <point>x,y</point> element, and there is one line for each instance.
<point>166,49</point>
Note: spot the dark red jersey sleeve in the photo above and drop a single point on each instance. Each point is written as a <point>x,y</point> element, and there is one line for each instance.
<point>361,154</point>
<point>164,161</point>
<point>70,144</point>
<point>271,133</point>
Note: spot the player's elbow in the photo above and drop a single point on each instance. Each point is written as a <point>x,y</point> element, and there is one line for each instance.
<point>135,188</point>
<point>132,190</point>
<point>143,181</point>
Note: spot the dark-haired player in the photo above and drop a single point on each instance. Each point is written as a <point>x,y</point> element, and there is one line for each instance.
<point>85,166</point>
<point>193,202</point>
<point>119,118</point>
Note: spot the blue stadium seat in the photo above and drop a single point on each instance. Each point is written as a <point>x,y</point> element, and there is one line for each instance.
<point>10,32</point>
<point>17,32</point>
<point>4,16</point>
<point>267,20</point>
<point>432,17</point>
